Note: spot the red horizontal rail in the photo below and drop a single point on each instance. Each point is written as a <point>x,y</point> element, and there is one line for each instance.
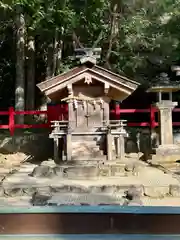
<point>176,110</point>
<point>25,126</point>
<point>4,126</point>
<point>141,124</point>
<point>51,111</point>
<point>4,112</point>
<point>118,111</point>
<point>138,110</point>
<point>176,123</point>
<point>29,112</point>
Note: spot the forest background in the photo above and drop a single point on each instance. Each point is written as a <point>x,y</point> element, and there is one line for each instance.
<point>139,39</point>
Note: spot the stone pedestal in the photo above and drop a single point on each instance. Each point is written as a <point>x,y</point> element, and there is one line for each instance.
<point>167,151</point>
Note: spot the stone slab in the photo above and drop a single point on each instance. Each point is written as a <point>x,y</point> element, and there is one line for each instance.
<point>86,199</point>
<point>63,199</point>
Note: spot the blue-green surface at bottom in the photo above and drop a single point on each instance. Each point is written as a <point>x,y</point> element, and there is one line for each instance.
<point>92,237</point>
<point>93,209</point>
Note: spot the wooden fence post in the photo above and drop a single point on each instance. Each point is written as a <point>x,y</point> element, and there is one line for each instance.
<point>152,116</point>
<point>11,121</point>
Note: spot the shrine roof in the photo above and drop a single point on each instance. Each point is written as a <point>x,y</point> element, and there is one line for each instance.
<point>106,75</point>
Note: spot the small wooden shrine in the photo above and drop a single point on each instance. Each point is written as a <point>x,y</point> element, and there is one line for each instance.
<point>89,133</point>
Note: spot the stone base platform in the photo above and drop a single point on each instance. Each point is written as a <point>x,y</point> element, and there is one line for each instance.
<point>89,169</point>
<point>150,183</point>
<point>166,154</point>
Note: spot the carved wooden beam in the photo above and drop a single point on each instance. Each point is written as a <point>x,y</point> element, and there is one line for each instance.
<point>88,79</point>
<point>70,89</point>
<point>106,88</point>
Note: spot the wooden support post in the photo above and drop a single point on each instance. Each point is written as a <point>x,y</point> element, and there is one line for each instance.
<point>64,149</point>
<point>109,144</point>
<point>56,150</point>
<point>118,150</point>
<point>121,146</point>
<point>68,145</point>
<point>71,114</point>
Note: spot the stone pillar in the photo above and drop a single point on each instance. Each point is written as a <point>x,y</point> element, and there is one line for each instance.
<point>167,152</point>
<point>165,120</point>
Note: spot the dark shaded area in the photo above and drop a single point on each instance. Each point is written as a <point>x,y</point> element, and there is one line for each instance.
<point>89,223</point>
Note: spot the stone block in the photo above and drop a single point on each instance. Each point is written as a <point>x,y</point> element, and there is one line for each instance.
<point>174,190</point>
<point>42,171</point>
<point>166,150</point>
<point>104,171</point>
<point>28,191</point>
<point>156,191</point>
<point>40,197</point>
<point>117,170</point>
<point>134,192</point>
<point>81,172</point>
<point>13,191</point>
<point>166,154</point>
<point>1,191</point>
<point>135,202</point>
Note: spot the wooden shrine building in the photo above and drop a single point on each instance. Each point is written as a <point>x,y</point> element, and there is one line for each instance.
<point>88,134</point>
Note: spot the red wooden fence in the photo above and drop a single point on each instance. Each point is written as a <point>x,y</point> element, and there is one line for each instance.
<point>59,112</point>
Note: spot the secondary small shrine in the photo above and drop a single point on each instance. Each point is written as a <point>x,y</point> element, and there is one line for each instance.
<point>89,133</point>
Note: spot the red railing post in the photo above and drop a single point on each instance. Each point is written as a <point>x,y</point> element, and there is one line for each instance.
<point>152,116</point>
<point>117,111</point>
<point>11,121</point>
<point>49,115</point>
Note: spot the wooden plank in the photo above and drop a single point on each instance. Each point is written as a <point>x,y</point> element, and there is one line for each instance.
<point>91,237</point>
<point>91,223</point>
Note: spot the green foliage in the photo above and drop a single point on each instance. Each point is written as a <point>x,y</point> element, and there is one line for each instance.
<point>145,35</point>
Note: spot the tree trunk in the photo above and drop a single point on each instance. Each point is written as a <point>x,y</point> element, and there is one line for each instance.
<point>20,84</point>
<point>113,30</point>
<point>59,56</point>
<point>49,61</point>
<point>55,52</point>
<point>59,51</point>
<point>30,96</point>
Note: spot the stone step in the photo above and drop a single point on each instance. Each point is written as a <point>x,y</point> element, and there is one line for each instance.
<point>89,157</point>
<point>84,151</point>
<point>87,138</point>
<point>93,170</point>
<point>89,144</point>
<point>85,145</point>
